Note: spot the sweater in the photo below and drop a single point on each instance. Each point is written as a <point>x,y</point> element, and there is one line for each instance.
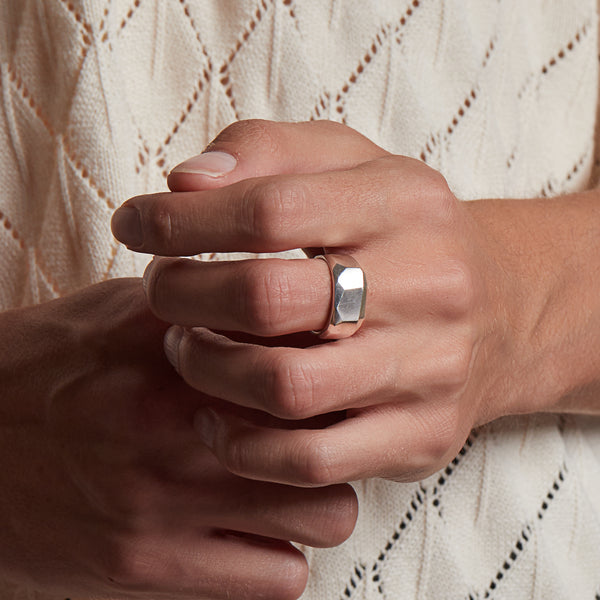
<point>101,98</point>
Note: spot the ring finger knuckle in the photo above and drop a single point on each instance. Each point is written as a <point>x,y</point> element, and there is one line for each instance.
<point>266,298</point>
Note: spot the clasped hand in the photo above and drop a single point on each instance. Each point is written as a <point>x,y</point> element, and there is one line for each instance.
<point>396,400</point>
<point>107,491</point>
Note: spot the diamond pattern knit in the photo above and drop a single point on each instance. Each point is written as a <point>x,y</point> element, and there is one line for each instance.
<point>101,98</point>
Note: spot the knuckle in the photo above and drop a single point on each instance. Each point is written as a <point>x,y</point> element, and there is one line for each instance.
<point>388,163</point>
<point>436,191</point>
<point>258,131</point>
<point>266,297</point>
<point>158,225</point>
<point>459,365</point>
<point>437,184</point>
<point>427,192</point>
<point>440,431</point>
<point>316,464</point>
<point>290,389</point>
<point>130,500</point>
<point>443,432</point>
<point>250,298</point>
<point>127,568</point>
<point>457,289</point>
<point>425,195</point>
<point>333,128</point>
<point>271,208</point>
<point>451,368</point>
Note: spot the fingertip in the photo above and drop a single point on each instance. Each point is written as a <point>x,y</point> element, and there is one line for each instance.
<point>350,499</point>
<point>172,343</point>
<point>279,570</point>
<point>340,516</point>
<point>148,274</point>
<point>296,574</point>
<point>126,226</point>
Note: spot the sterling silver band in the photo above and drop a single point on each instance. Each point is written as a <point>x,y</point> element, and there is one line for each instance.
<point>348,296</point>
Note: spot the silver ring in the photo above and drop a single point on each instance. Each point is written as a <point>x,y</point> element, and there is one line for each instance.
<point>348,297</point>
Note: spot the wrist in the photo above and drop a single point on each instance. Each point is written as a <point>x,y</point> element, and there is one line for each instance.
<point>546,323</point>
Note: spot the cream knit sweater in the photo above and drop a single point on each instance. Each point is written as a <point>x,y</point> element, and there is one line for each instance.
<point>100,98</point>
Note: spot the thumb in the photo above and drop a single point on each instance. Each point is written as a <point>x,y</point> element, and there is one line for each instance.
<point>256,148</point>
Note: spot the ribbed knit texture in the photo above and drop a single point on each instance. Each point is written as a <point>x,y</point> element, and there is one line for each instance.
<point>101,98</point>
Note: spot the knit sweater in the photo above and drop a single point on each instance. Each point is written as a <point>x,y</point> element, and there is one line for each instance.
<point>101,98</point>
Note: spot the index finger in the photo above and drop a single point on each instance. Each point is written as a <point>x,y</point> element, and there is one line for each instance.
<point>272,214</point>
<point>246,150</point>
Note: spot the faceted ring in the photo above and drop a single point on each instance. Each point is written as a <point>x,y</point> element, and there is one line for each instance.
<point>348,297</point>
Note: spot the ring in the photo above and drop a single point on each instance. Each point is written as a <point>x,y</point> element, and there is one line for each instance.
<point>348,297</point>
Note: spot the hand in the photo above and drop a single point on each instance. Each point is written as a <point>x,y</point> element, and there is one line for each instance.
<point>106,489</point>
<point>431,360</point>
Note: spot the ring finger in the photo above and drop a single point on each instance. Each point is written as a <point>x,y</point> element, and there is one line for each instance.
<point>264,297</point>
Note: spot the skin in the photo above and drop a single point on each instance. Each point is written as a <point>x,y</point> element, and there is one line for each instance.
<point>475,310</point>
<point>107,492</point>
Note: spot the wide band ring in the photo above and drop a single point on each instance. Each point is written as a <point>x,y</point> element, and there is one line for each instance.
<point>348,297</point>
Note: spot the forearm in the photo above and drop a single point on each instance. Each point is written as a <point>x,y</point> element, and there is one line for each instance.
<point>548,251</point>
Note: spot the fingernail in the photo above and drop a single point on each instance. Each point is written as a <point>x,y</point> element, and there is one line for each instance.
<point>147,274</point>
<point>171,344</point>
<point>212,164</point>
<point>206,423</point>
<point>126,226</point>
